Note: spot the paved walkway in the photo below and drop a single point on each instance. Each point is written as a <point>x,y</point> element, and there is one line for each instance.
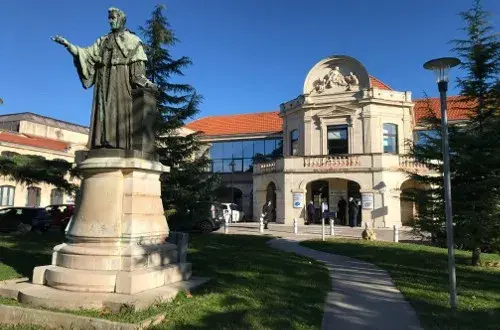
<point>314,231</point>
<point>363,295</point>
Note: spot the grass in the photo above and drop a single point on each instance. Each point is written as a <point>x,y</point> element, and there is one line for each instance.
<point>252,285</point>
<point>420,273</point>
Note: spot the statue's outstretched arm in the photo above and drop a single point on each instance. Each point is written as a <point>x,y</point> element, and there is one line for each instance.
<point>69,46</point>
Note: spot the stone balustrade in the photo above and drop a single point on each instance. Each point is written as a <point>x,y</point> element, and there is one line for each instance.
<point>339,161</point>
<point>266,167</point>
<point>335,163</point>
<point>407,163</point>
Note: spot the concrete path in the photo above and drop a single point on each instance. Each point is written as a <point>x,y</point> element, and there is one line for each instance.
<point>363,295</point>
<point>314,231</point>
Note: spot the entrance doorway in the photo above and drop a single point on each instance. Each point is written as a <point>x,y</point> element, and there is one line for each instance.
<point>333,190</point>
<point>319,192</point>
<point>353,191</point>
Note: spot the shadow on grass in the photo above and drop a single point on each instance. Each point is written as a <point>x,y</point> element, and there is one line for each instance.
<point>420,273</point>
<point>21,253</point>
<point>252,285</point>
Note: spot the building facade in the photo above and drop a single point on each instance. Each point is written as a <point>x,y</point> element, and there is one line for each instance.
<point>347,135</point>
<point>28,133</point>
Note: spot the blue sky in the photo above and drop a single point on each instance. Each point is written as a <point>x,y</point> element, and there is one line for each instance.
<point>248,56</point>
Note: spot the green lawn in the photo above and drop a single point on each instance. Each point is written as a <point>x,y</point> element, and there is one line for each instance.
<point>420,273</point>
<point>252,286</point>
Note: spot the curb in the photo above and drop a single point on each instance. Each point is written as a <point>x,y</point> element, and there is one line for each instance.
<point>14,315</point>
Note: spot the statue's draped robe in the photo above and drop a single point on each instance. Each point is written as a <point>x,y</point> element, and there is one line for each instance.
<point>114,64</point>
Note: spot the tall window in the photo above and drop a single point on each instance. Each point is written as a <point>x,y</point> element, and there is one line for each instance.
<point>34,196</point>
<point>337,140</point>
<point>56,196</point>
<point>244,153</point>
<point>390,138</point>
<point>294,142</point>
<point>7,195</point>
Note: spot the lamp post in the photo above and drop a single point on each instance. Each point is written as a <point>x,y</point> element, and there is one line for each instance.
<point>232,164</point>
<point>441,67</point>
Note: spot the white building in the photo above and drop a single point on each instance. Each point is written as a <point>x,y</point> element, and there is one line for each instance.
<point>29,133</point>
<point>346,135</point>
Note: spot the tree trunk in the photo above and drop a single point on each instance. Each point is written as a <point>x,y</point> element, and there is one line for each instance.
<point>476,256</point>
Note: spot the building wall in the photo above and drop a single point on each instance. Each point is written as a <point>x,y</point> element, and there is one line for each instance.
<point>77,142</point>
<point>386,210</point>
<point>52,132</point>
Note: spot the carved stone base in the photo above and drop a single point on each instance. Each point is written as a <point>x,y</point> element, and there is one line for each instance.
<point>116,241</point>
<point>44,296</point>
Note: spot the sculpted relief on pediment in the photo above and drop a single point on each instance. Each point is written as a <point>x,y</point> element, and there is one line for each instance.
<point>334,79</point>
<point>336,74</point>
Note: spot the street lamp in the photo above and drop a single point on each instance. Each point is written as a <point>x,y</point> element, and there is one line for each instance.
<point>441,67</point>
<point>232,164</point>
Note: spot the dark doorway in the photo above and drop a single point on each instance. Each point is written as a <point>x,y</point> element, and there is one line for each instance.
<point>319,193</point>
<point>353,191</point>
<point>271,196</point>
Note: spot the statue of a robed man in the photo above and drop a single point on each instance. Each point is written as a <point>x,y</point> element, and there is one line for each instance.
<point>115,66</point>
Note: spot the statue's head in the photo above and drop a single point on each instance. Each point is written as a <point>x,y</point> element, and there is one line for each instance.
<point>117,18</point>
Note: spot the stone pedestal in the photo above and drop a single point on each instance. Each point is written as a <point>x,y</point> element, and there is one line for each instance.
<point>116,241</point>
<point>116,252</point>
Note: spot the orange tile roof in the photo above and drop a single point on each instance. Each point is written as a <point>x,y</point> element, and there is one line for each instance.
<point>458,108</point>
<point>250,123</point>
<point>270,122</point>
<point>33,141</point>
<point>374,82</point>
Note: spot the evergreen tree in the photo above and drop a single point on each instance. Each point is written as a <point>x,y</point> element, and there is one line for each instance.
<point>477,170</point>
<point>30,169</point>
<point>474,148</point>
<point>187,189</point>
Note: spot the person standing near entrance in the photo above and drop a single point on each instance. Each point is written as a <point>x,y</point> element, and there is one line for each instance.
<point>266,213</point>
<point>311,212</point>
<point>342,205</point>
<point>353,212</point>
<point>325,210</point>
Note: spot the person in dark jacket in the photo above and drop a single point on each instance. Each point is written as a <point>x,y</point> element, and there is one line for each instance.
<point>353,212</point>
<point>342,206</point>
<point>266,213</point>
<point>311,212</point>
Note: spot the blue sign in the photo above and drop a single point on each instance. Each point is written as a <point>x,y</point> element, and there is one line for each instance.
<point>298,200</point>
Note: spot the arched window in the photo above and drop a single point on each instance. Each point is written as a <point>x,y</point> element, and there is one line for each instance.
<point>56,196</point>
<point>7,195</point>
<point>294,142</point>
<point>34,196</point>
<point>390,138</point>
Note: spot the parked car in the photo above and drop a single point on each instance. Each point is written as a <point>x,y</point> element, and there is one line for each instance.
<point>60,214</point>
<point>191,221</point>
<point>237,214</point>
<point>27,218</point>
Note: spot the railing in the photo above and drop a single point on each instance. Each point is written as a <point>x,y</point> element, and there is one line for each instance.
<point>332,161</point>
<point>346,162</point>
<point>407,163</point>
<point>266,167</point>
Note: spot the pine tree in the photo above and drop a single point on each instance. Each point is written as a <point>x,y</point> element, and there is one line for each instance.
<point>474,148</point>
<point>187,189</point>
<point>477,176</point>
